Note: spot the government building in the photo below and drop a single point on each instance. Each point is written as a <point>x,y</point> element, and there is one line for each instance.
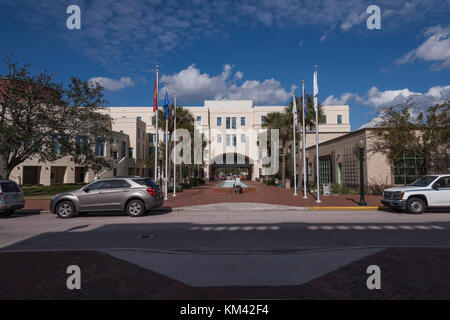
<point>231,125</point>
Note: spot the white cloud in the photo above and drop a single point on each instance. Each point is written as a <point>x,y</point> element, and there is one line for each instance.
<point>192,85</point>
<point>435,48</point>
<point>344,99</point>
<point>113,84</point>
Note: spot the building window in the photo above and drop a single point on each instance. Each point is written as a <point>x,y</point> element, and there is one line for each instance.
<point>228,122</point>
<point>219,138</point>
<point>233,123</point>
<point>339,118</point>
<point>234,140</point>
<point>130,152</point>
<point>100,148</point>
<point>262,119</point>
<point>138,152</point>
<point>153,120</point>
<point>243,121</point>
<point>324,119</point>
<point>409,168</point>
<point>228,140</point>
<point>139,117</point>
<point>115,172</point>
<point>138,133</point>
<point>123,148</point>
<point>243,138</point>
<point>219,121</point>
<point>199,120</point>
<point>325,171</point>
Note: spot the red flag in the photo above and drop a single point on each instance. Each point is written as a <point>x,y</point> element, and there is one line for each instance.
<point>155,95</point>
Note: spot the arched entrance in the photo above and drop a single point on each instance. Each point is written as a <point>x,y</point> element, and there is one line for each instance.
<point>231,164</point>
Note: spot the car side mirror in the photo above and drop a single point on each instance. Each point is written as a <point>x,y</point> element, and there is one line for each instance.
<point>86,189</point>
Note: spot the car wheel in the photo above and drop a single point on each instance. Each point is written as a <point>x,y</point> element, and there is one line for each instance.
<point>65,209</point>
<point>135,208</point>
<point>7,213</point>
<point>416,206</point>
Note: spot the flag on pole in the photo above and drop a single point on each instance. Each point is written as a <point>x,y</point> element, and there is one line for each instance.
<point>294,109</point>
<point>166,103</point>
<point>155,94</point>
<point>316,90</point>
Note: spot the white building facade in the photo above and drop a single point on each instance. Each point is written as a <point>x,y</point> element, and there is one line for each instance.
<point>230,128</point>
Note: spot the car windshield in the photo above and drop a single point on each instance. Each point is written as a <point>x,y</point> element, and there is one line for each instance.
<point>423,182</point>
<point>146,182</point>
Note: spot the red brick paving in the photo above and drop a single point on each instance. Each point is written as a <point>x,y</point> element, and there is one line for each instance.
<point>406,273</point>
<point>263,194</point>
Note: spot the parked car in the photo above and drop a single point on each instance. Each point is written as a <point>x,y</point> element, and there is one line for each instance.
<point>426,192</point>
<point>11,197</point>
<point>134,195</point>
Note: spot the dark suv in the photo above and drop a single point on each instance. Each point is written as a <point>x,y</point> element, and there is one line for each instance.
<point>135,195</point>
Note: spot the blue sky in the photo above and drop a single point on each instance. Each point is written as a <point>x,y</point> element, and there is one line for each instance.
<point>247,49</point>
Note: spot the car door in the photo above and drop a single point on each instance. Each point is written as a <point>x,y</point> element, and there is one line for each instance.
<point>115,194</point>
<point>440,193</point>
<point>12,195</point>
<point>90,198</point>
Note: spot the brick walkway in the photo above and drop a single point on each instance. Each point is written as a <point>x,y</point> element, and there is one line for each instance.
<point>264,194</point>
<point>406,273</point>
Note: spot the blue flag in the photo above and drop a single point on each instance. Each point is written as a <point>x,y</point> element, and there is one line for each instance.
<point>166,103</point>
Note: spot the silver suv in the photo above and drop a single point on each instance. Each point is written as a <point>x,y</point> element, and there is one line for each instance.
<point>135,195</point>
<point>11,197</point>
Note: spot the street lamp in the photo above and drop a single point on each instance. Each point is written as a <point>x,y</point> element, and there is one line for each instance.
<point>362,201</point>
<point>307,173</point>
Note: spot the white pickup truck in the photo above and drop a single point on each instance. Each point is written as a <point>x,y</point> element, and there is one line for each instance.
<point>428,191</point>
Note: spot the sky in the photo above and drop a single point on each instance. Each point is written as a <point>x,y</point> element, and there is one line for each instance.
<point>246,49</point>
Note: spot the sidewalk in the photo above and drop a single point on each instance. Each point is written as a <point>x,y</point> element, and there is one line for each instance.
<point>406,273</point>
<point>263,194</point>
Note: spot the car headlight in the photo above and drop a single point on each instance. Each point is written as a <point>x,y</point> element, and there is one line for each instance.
<point>398,195</point>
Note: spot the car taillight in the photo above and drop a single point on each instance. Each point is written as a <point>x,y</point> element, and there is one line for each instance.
<point>151,191</point>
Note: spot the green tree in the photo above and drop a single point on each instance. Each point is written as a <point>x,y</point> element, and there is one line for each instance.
<point>310,123</point>
<point>43,119</point>
<point>435,127</point>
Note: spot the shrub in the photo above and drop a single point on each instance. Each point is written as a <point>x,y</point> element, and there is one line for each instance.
<point>270,182</point>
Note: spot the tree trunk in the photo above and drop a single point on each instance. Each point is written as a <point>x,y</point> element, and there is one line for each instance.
<point>4,168</point>
<point>283,169</point>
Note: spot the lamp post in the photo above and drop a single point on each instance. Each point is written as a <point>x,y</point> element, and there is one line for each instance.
<point>362,201</point>
<point>307,173</point>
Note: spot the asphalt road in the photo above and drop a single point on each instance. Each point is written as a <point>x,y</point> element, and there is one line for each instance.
<point>215,230</point>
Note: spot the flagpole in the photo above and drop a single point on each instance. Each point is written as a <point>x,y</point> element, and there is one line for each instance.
<point>317,134</point>
<point>167,149</point>
<point>304,141</point>
<point>156,139</point>
<point>174,144</point>
<point>294,115</point>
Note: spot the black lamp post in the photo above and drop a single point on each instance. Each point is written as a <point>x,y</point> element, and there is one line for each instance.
<point>362,201</point>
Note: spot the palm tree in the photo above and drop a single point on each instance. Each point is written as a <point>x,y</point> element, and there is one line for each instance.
<point>185,120</point>
<point>310,122</point>
<point>280,121</point>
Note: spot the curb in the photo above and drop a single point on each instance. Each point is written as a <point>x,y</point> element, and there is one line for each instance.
<point>365,208</point>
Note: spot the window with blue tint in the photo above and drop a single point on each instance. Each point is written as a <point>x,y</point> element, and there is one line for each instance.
<point>339,118</point>
<point>100,148</point>
<point>262,119</point>
<point>233,123</point>
<point>199,120</point>
<point>219,121</point>
<point>139,117</point>
<point>243,121</point>
<point>219,138</point>
<point>228,140</point>
<point>228,122</point>
<point>243,138</point>
<point>324,119</point>
<point>234,140</point>
<point>123,149</point>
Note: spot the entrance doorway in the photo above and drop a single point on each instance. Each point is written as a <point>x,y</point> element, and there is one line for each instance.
<point>57,175</point>
<point>31,174</point>
<point>231,164</point>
